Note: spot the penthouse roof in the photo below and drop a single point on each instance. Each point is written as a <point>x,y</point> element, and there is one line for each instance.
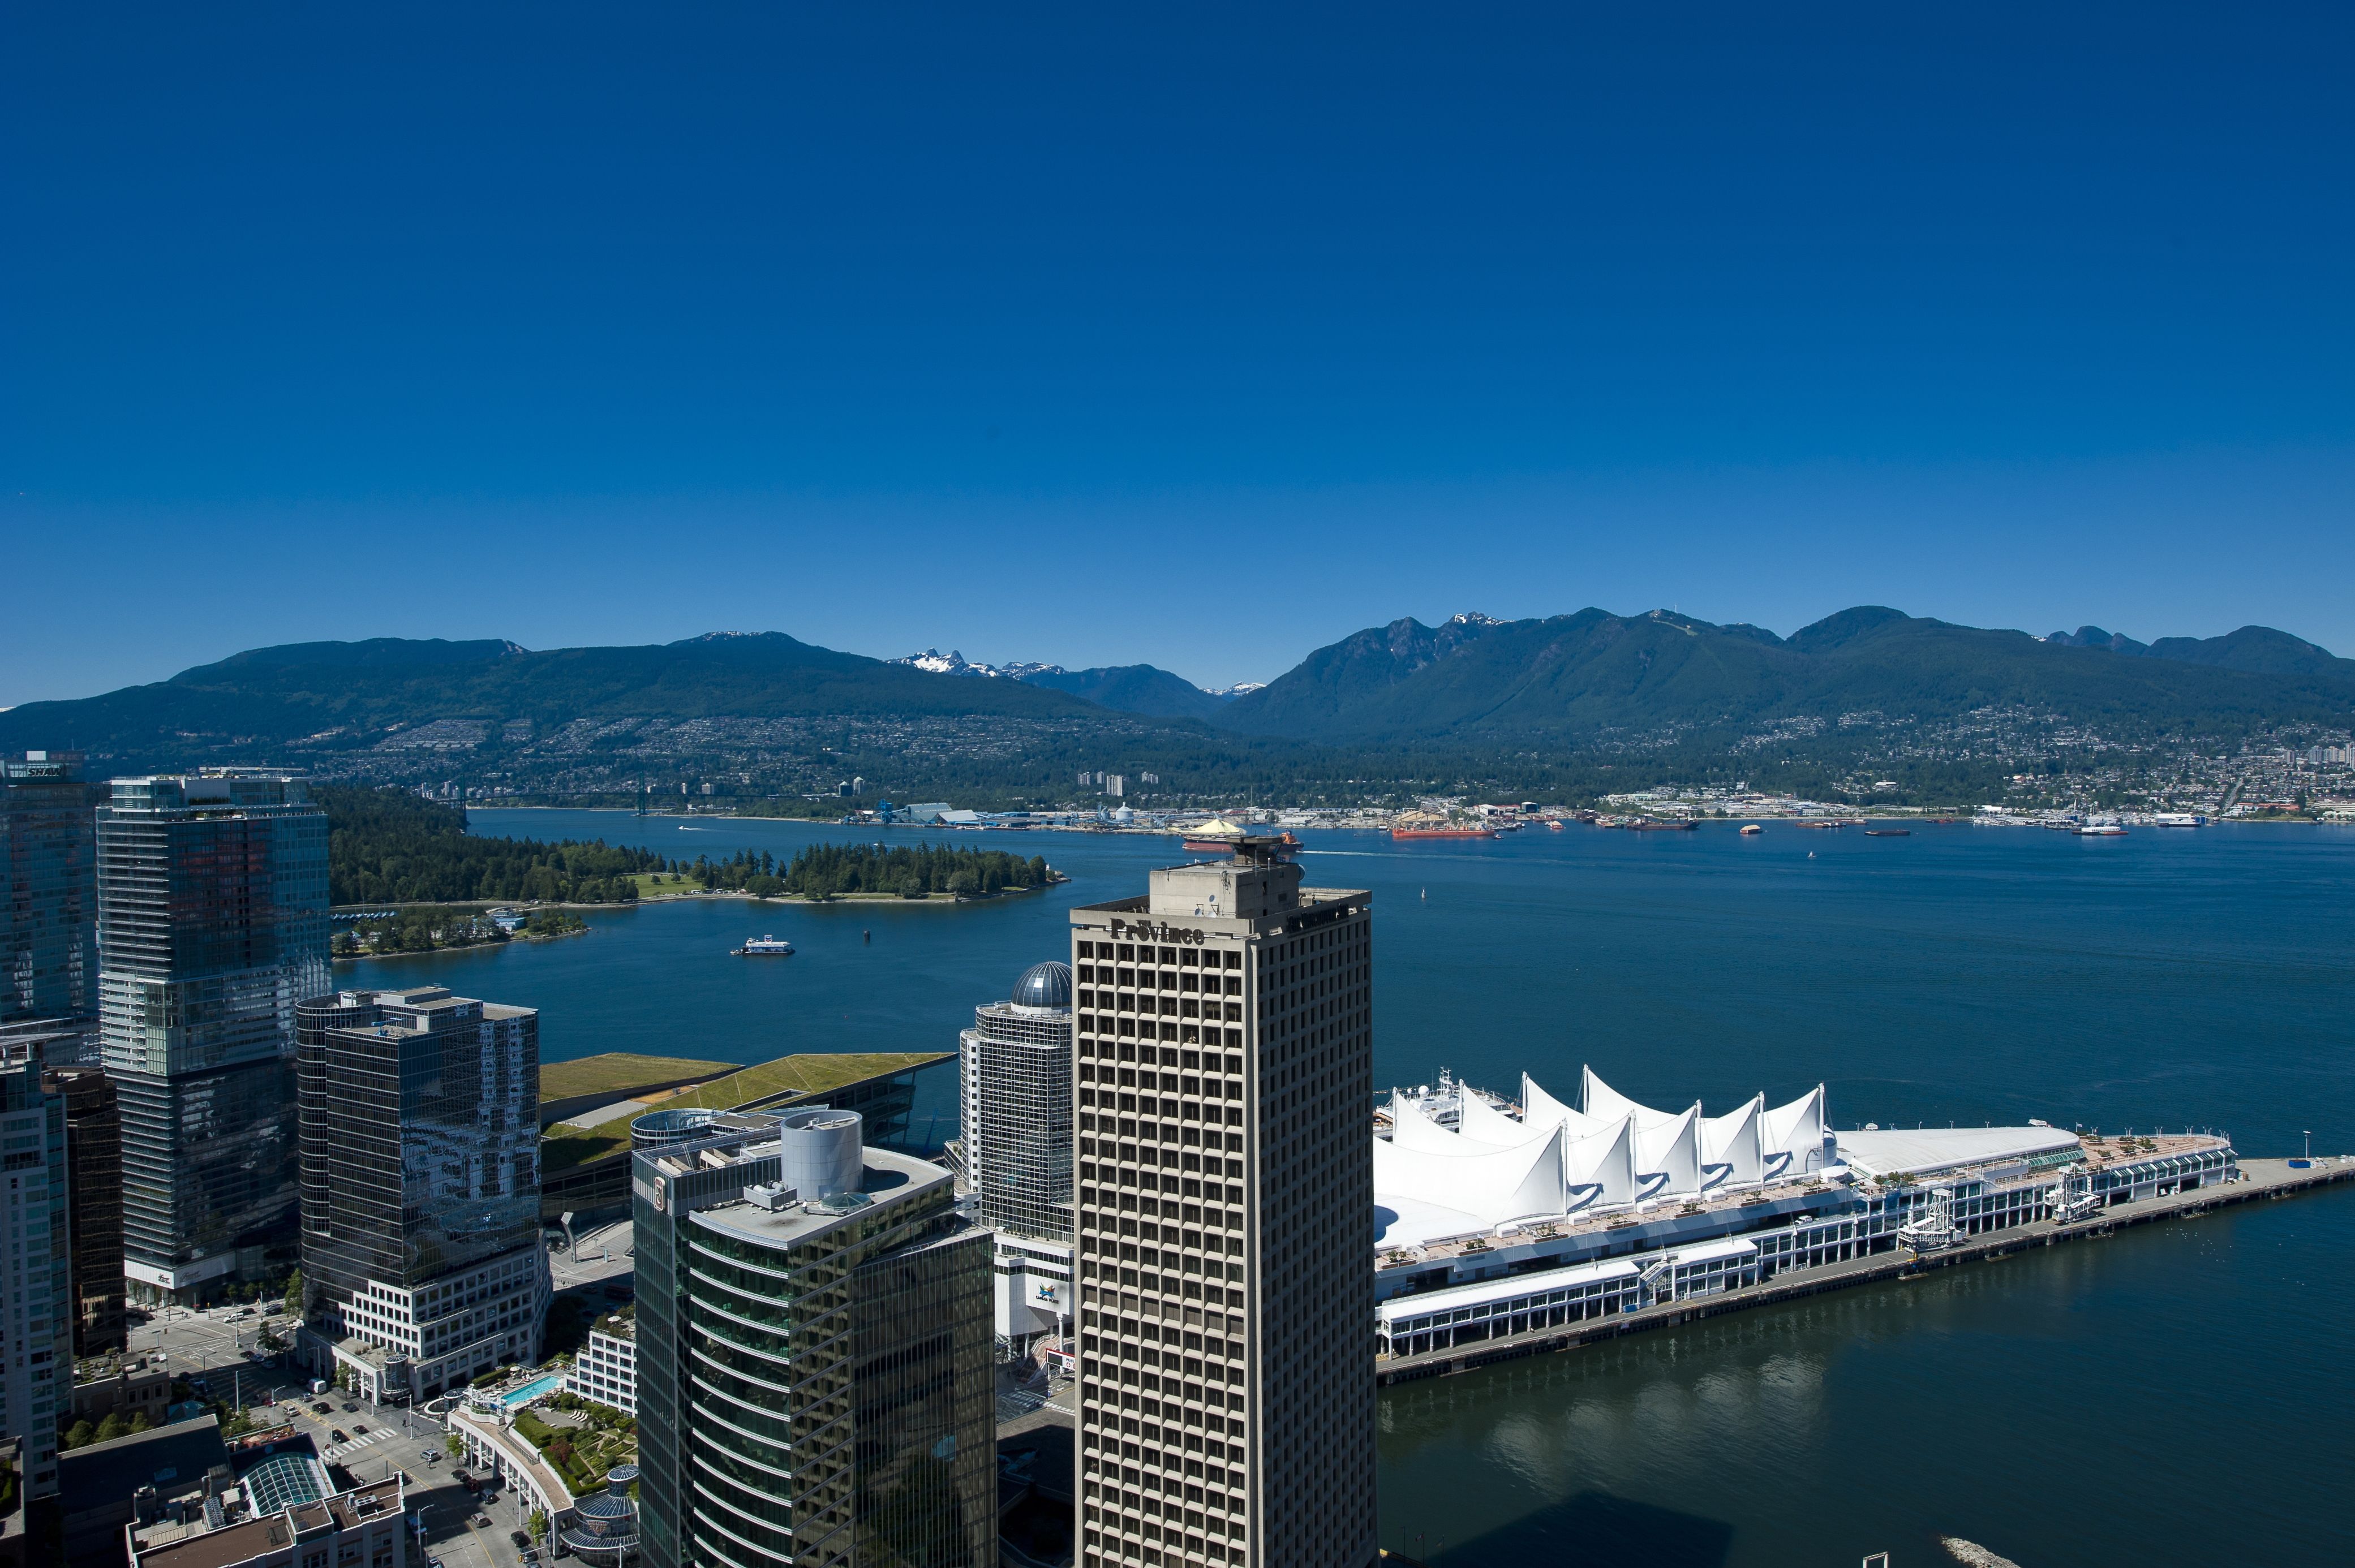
<point>1921,1150</point>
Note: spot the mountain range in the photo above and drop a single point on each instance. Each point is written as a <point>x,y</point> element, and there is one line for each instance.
<point>1565,685</point>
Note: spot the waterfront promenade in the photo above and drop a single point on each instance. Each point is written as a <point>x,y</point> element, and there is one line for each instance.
<point>2261,1180</point>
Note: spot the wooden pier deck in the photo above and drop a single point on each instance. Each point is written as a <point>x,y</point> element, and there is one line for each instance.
<point>2261,1180</point>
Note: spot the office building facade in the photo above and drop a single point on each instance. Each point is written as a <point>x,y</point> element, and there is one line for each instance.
<point>814,1380</point>
<point>212,924</point>
<point>36,1273</point>
<point>420,1125</point>
<point>48,894</point>
<point>94,1205</point>
<point>1015,1144</point>
<point>1225,1193</point>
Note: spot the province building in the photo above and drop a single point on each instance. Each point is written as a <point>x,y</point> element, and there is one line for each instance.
<point>1224,1196</point>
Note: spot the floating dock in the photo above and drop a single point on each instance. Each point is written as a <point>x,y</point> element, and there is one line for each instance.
<point>2260,1180</point>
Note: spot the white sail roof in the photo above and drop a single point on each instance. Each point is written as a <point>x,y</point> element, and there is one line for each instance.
<point>1731,1141</point>
<point>1488,1184</point>
<point>1667,1156</point>
<point>1600,1168</point>
<point>1604,1101</point>
<point>1791,1137</point>
<point>1539,1108</point>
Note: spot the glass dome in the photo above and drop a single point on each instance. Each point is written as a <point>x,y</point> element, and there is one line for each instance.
<point>1045,985</point>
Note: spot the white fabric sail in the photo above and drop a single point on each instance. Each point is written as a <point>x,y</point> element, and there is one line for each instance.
<point>1489,1184</point>
<point>1600,1168</point>
<point>1791,1137</point>
<point>1667,1156</point>
<point>1479,1120</point>
<point>1412,1127</point>
<point>1539,1108</point>
<point>1606,1104</point>
<point>1731,1141</point>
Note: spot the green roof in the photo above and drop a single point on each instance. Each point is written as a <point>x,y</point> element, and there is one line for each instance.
<point>765,1086</point>
<point>617,1073</point>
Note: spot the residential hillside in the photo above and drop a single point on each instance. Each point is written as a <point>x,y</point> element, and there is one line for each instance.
<point>1593,677</point>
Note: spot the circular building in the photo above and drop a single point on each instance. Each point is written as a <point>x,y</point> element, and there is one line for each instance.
<point>605,1529</point>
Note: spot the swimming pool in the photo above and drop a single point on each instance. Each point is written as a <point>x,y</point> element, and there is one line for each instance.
<point>516,1399</point>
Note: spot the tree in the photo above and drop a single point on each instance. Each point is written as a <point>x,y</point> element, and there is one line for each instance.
<point>295,1294</point>
<point>80,1434</point>
<point>538,1525</point>
<point>111,1427</point>
<point>456,1445</point>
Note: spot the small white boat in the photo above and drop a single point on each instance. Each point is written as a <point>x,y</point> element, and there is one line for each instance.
<point>763,948</point>
<point>2102,831</point>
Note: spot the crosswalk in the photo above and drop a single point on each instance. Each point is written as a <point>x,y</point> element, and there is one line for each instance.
<point>344,1450</point>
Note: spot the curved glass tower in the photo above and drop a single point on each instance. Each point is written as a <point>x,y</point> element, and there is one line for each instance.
<point>815,1378</point>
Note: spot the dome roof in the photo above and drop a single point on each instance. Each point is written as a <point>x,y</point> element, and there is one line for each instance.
<point>1045,985</point>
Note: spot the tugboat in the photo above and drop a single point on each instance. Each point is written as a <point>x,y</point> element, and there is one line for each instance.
<point>763,947</point>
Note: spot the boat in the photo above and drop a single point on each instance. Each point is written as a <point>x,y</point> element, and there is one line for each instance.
<point>1555,824</point>
<point>1889,833</point>
<point>2178,820</point>
<point>1217,836</point>
<point>763,947</point>
<point>1451,832</point>
<point>2102,831</point>
<point>1653,825</point>
<point>1751,829</point>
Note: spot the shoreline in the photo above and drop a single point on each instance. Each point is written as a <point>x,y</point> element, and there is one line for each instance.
<point>929,900</point>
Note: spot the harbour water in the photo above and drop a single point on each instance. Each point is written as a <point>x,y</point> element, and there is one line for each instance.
<point>2174,1394</point>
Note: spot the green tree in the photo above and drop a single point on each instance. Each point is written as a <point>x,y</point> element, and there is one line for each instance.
<point>293,1300</point>
<point>456,1445</point>
<point>111,1427</point>
<point>81,1435</point>
<point>538,1525</point>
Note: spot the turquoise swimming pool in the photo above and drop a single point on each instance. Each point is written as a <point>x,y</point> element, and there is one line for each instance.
<point>539,1387</point>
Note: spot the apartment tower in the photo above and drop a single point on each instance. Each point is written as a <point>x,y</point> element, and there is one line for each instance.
<point>212,924</point>
<point>37,1345</point>
<point>421,1261</point>
<point>1015,1076</point>
<point>94,1206</point>
<point>1225,1209</point>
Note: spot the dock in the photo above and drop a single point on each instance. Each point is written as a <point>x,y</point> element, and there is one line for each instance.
<point>2261,1180</point>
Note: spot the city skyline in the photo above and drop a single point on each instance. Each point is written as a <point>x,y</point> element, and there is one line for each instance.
<point>1754,316</point>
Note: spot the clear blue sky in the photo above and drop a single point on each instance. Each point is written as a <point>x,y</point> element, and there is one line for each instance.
<point>1199,338</point>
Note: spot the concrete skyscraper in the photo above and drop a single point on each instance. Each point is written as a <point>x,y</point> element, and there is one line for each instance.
<point>422,1260</point>
<point>212,924</point>
<point>1015,1075</point>
<point>1225,1203</point>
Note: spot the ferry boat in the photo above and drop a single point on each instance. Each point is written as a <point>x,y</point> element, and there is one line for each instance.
<point>2112,828</point>
<point>763,947</point>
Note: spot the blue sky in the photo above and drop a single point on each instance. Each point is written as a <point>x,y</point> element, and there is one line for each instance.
<point>1200,338</point>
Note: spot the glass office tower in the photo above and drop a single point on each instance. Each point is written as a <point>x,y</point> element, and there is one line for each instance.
<point>420,1127</point>
<point>814,1380</point>
<point>213,916</point>
<point>49,893</point>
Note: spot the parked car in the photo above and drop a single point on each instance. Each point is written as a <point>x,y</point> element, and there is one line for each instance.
<point>349,1408</point>
<point>337,1434</point>
<point>322,1408</point>
<point>521,1538</point>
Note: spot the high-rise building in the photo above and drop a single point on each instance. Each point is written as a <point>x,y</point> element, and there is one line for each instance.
<point>212,924</point>
<point>814,1380</point>
<point>93,1205</point>
<point>49,893</point>
<point>1225,1197</point>
<point>422,1260</point>
<point>35,1273</point>
<point>1015,1075</point>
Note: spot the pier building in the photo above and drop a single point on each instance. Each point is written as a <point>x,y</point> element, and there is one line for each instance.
<point>1497,1218</point>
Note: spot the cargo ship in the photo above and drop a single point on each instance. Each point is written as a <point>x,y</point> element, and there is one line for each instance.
<point>1654,825</point>
<point>763,947</point>
<point>1444,830</point>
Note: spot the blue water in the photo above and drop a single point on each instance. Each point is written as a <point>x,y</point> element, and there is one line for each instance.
<point>2169,1397</point>
<point>517,1399</point>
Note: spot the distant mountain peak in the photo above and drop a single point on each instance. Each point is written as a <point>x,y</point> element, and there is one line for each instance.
<point>1473,618</point>
<point>933,661</point>
<point>1240,689</point>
